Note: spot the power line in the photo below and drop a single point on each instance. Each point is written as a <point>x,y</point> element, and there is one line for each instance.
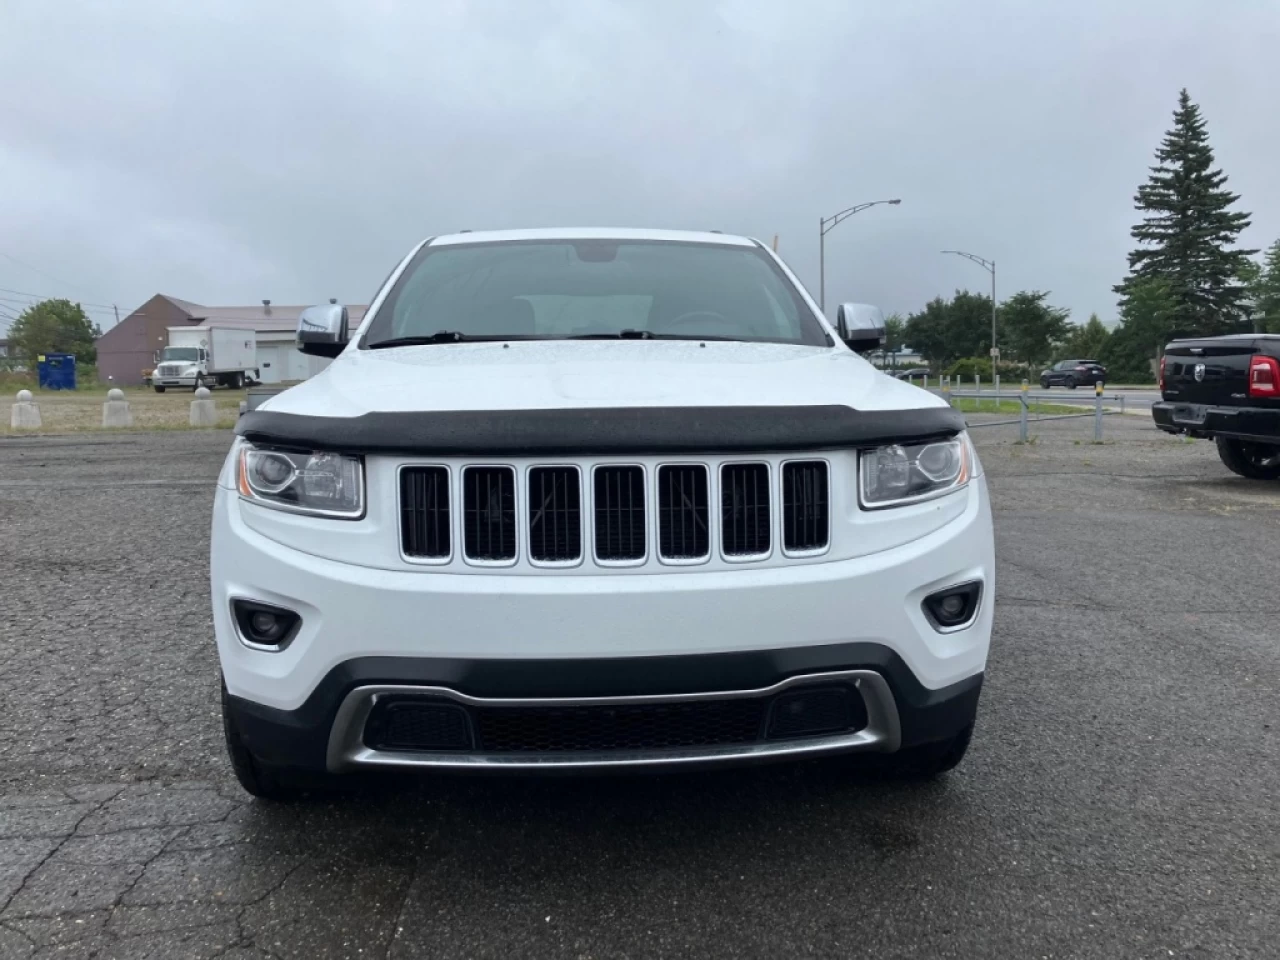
<point>41,296</point>
<point>43,273</point>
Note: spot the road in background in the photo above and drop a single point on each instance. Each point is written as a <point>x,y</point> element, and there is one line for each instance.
<point>1119,799</point>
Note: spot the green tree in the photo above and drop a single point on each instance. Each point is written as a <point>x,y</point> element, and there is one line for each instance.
<point>1030,327</point>
<point>1085,343</point>
<point>926,332</point>
<point>1146,325</point>
<point>54,326</point>
<point>1264,292</point>
<point>1188,231</point>
<point>894,332</point>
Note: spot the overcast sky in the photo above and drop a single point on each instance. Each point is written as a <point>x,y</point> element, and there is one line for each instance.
<point>226,152</point>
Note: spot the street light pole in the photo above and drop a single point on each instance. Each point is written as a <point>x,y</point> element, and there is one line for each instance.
<point>990,267</point>
<point>825,226</point>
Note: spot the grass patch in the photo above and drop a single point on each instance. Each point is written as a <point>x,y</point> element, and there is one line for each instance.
<point>1013,407</point>
<point>80,411</point>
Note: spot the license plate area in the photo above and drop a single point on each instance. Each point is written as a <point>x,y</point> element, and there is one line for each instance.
<point>1190,413</point>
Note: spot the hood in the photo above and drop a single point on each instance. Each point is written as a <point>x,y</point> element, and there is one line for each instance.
<point>560,374</point>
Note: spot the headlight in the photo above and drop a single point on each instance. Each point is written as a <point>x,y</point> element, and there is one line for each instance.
<point>897,474</point>
<point>321,484</point>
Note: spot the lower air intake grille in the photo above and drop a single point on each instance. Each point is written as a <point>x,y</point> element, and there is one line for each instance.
<point>424,512</point>
<point>418,725</point>
<point>810,711</point>
<point>619,512</point>
<point>489,513</point>
<point>744,509</point>
<point>638,727</point>
<point>806,514</point>
<point>682,512</point>
<point>555,514</point>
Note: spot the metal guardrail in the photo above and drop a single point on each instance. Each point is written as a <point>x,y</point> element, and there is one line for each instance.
<point>1026,398</point>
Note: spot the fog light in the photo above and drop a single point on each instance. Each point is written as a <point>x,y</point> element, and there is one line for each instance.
<point>263,625</point>
<point>953,607</point>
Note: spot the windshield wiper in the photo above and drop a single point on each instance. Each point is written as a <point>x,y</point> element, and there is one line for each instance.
<point>442,336</point>
<point>646,335</point>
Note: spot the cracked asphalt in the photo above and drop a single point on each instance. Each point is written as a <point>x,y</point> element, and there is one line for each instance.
<point>1120,799</point>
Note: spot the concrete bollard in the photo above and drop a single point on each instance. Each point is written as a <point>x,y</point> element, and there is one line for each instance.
<point>115,412</point>
<point>26,413</point>
<point>203,413</point>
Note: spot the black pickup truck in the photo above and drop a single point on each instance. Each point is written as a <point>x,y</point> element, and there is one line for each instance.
<point>1226,389</point>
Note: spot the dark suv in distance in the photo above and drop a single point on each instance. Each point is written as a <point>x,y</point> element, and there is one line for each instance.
<point>1072,373</point>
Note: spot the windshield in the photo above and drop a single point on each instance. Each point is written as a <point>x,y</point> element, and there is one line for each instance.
<point>181,353</point>
<point>558,289</point>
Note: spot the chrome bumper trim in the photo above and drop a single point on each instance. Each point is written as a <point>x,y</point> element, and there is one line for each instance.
<point>882,733</point>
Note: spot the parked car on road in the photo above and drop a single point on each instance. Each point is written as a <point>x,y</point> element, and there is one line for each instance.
<point>591,500</point>
<point>1073,373</point>
<point>1226,389</point>
<point>915,373</point>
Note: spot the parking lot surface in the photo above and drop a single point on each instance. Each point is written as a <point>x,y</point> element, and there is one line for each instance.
<point>1121,799</point>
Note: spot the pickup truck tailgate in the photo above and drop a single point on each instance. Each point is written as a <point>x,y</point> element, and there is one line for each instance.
<point>1209,371</point>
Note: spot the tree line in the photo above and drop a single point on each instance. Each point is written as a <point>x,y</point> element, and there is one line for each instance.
<point>52,326</point>
<point>1186,277</point>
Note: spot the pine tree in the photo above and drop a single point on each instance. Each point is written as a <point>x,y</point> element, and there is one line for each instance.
<point>1264,292</point>
<point>1187,235</point>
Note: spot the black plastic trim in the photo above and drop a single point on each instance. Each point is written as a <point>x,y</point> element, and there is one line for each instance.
<point>610,430</point>
<point>300,738</point>
<point>1259,424</point>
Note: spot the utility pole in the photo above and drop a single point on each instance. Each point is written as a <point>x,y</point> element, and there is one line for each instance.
<point>990,267</point>
<point>117,310</point>
<point>825,226</point>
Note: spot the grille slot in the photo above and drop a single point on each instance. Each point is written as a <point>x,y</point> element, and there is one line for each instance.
<point>489,514</point>
<point>806,509</point>
<point>555,514</point>
<point>744,509</point>
<point>424,512</point>
<point>682,512</point>
<point>619,513</point>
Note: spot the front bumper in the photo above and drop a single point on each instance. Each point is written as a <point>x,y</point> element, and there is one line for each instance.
<point>551,641</point>
<point>1258,424</point>
<point>326,733</point>
<point>173,381</point>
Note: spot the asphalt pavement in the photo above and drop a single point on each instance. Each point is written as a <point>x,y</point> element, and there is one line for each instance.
<point>1120,799</point>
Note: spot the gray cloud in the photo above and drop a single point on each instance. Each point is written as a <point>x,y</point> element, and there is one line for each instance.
<point>226,153</point>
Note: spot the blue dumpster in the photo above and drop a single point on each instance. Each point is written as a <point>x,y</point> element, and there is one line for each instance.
<point>57,371</point>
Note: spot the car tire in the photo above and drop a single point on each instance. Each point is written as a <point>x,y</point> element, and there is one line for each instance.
<point>1070,383</point>
<point>258,779</point>
<point>1045,384</point>
<point>159,389</point>
<point>1253,460</point>
<point>931,760</point>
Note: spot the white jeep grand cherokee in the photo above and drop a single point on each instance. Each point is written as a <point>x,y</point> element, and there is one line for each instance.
<point>575,499</point>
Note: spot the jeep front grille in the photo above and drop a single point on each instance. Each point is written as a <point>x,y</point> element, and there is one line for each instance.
<point>547,514</point>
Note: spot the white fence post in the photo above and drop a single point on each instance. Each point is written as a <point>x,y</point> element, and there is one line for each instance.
<point>203,412</point>
<point>26,413</point>
<point>115,412</point>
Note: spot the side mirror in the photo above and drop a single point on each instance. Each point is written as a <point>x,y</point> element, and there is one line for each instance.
<point>322,330</point>
<point>861,326</point>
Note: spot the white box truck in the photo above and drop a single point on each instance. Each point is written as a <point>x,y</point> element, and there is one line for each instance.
<point>207,357</point>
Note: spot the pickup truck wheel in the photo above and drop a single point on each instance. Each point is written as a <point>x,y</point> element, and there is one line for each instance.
<point>1257,461</point>
<point>931,759</point>
<point>256,778</point>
